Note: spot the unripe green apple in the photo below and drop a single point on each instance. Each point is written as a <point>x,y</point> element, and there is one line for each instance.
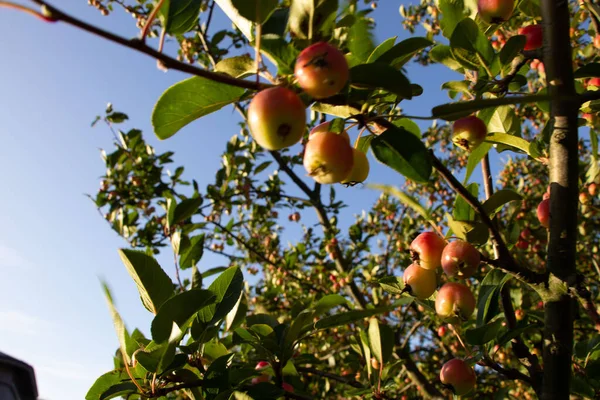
<point>460,259</point>
<point>419,282</point>
<point>426,250</point>
<point>495,11</point>
<point>454,300</point>
<point>277,118</point>
<point>360,168</point>
<point>469,132</point>
<point>459,376</point>
<point>328,157</point>
<point>324,127</point>
<point>321,70</point>
<point>543,213</point>
<point>533,35</point>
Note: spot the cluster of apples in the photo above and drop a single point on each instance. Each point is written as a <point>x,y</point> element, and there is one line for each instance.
<point>277,118</point>
<point>454,301</point>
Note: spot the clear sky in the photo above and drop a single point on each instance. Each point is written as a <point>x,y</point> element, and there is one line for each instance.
<point>53,244</point>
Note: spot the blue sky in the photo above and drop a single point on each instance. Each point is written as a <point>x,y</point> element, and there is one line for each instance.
<point>53,244</point>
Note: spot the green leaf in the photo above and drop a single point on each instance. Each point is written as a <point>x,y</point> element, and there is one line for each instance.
<point>483,334</point>
<point>328,302</point>
<point>404,198</point>
<point>157,357</point>
<point>307,13</point>
<point>388,341</point>
<point>189,100</point>
<point>237,315</point>
<point>381,49</point>
<point>193,252</point>
<point>501,120</point>
<point>462,210</point>
<point>499,199</point>
<point>580,386</point>
<point>472,232</point>
<point>590,70</point>
<point>511,49</point>
<point>179,16</point>
<point>392,284</point>
<point>489,292</point>
<point>453,11</point>
<point>375,339</point>
<point>401,53</point>
<point>238,66</point>
<point>382,76</point>
<point>279,52</point>
<point>213,271</point>
<point>120,389</point>
<point>447,111</point>
<point>475,157</point>
<point>126,344</point>
<point>227,288</point>
<point>349,317</point>
<point>257,11</point>
<point>243,24</point>
<point>402,151</point>
<point>337,111</point>
<point>298,324</point>
<point>457,86</point>
<point>468,43</point>
<point>443,55</point>
<point>186,209</point>
<point>366,350</point>
<point>153,283</point>
<point>360,43</point>
<point>409,125</point>
<point>364,143</point>
<point>509,140</point>
<point>179,309</point>
<point>105,382</point>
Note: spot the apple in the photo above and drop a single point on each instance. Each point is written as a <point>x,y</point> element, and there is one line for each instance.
<point>495,11</point>
<point>584,198</point>
<point>287,387</point>
<point>426,250</point>
<point>597,41</point>
<point>459,376</point>
<point>360,168</point>
<point>321,70</point>
<point>441,331</point>
<point>533,35</point>
<point>277,118</point>
<point>460,259</point>
<point>328,157</point>
<point>592,189</point>
<point>543,213</point>
<point>594,82</point>
<point>262,365</point>
<point>261,378</point>
<point>454,300</point>
<point>420,283</point>
<point>325,127</point>
<point>469,132</point>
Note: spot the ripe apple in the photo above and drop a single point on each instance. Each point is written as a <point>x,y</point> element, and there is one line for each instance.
<point>261,378</point>
<point>419,282</point>
<point>533,35</point>
<point>262,365</point>
<point>328,157</point>
<point>584,198</point>
<point>277,118</point>
<point>360,168</point>
<point>321,70</point>
<point>460,259</point>
<point>324,127</point>
<point>594,82</point>
<point>543,213</point>
<point>469,132</point>
<point>592,189</point>
<point>287,387</point>
<point>597,41</point>
<point>426,250</point>
<point>495,11</point>
<point>454,300</point>
<point>459,376</point>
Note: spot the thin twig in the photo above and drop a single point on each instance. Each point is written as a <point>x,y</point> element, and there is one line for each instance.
<point>508,372</point>
<point>342,379</point>
<point>150,20</point>
<point>26,10</point>
<point>140,46</point>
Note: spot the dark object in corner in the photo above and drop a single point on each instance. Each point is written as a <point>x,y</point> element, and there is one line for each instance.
<point>17,379</point>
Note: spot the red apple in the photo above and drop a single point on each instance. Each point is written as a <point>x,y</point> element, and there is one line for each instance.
<point>321,70</point>
<point>459,376</point>
<point>454,300</point>
<point>469,132</point>
<point>533,35</point>
<point>262,365</point>
<point>360,168</point>
<point>426,250</point>
<point>287,387</point>
<point>324,127</point>
<point>594,82</point>
<point>495,11</point>
<point>277,118</point>
<point>592,189</point>
<point>419,282</point>
<point>460,259</point>
<point>543,213</point>
<point>328,157</point>
<point>597,41</point>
